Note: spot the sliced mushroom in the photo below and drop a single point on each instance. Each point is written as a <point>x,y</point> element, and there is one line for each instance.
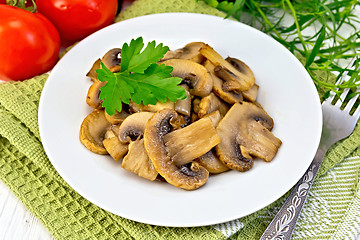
<point>188,143</point>
<point>92,72</point>
<point>131,132</point>
<point>210,104</point>
<point>184,106</point>
<point>158,106</point>
<point>150,108</point>
<point>92,98</point>
<point>196,105</point>
<point>227,71</point>
<point>251,94</point>
<point>92,131</point>
<point>111,59</point>
<point>137,161</point>
<point>192,73</point>
<point>228,96</point>
<point>132,128</point>
<point>245,132</point>
<point>215,117</point>
<point>190,176</point>
<point>212,163</point>
<point>189,52</point>
<point>118,117</point>
<point>113,146</point>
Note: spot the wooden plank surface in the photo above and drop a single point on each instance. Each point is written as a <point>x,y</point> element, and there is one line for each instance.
<point>16,222</point>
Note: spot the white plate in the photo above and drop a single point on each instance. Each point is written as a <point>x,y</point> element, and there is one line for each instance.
<point>286,92</point>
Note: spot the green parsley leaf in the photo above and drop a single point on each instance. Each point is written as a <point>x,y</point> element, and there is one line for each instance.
<point>140,79</point>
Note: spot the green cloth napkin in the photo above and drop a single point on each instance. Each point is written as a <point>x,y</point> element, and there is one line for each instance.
<point>331,212</point>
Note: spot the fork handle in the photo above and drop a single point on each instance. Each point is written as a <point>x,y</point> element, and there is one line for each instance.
<point>283,224</point>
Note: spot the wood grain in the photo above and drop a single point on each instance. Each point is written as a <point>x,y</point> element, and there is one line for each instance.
<point>16,222</point>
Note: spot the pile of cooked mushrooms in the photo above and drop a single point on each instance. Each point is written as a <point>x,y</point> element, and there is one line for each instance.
<point>218,127</point>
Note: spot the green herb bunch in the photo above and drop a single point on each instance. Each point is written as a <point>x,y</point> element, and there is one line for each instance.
<point>313,29</point>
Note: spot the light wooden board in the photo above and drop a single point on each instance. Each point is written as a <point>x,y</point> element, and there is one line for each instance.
<point>16,222</point>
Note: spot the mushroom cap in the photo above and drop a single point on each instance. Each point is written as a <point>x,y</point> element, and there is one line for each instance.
<point>92,97</point>
<point>227,71</point>
<point>190,52</point>
<point>190,176</point>
<point>92,72</point>
<point>93,130</point>
<point>111,58</point>
<point>244,132</point>
<point>133,126</point>
<point>212,163</point>
<point>118,117</point>
<point>194,73</point>
<point>228,96</point>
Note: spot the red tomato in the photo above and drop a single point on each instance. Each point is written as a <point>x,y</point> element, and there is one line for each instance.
<point>76,19</point>
<point>29,44</point>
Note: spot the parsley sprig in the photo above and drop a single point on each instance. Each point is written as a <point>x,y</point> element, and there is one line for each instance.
<point>140,79</point>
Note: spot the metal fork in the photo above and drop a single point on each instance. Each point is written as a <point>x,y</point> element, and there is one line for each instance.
<point>337,124</point>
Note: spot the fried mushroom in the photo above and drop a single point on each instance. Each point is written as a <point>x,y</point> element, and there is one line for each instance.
<point>190,52</point>
<point>192,73</point>
<point>184,106</point>
<point>111,59</point>
<point>113,146</point>
<point>131,132</point>
<point>189,176</point>
<point>92,72</point>
<point>227,71</point>
<point>188,143</point>
<point>132,128</point>
<point>245,132</point>
<point>212,163</point>
<point>228,96</point>
<point>93,130</point>
<point>210,104</point>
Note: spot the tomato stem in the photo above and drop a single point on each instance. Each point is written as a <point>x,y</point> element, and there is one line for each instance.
<point>22,4</point>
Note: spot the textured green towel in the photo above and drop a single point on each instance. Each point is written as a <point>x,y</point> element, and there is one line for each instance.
<point>332,210</point>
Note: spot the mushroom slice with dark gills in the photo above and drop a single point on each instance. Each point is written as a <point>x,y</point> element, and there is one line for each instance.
<point>131,132</point>
<point>190,52</point>
<point>111,59</point>
<point>189,176</point>
<point>245,132</point>
<point>132,128</point>
<point>249,95</point>
<point>228,96</point>
<point>193,74</point>
<point>93,130</point>
<point>227,71</point>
